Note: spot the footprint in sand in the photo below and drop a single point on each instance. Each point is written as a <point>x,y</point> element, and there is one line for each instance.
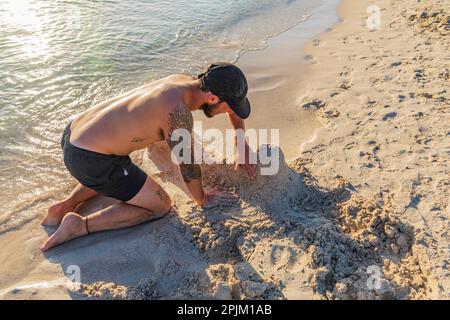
<point>396,64</point>
<point>389,115</point>
<point>313,105</point>
<point>350,145</point>
<point>281,256</point>
<point>263,82</point>
<point>345,86</point>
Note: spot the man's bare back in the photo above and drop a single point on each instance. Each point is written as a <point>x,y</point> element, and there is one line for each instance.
<point>132,121</point>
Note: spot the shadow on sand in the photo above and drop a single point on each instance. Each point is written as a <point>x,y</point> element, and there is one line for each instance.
<point>287,238</point>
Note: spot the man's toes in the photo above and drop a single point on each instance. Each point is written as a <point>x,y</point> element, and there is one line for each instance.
<point>55,214</point>
<point>50,221</point>
<point>44,222</point>
<point>70,228</point>
<point>50,242</point>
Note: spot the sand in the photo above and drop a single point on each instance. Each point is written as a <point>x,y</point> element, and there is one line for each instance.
<point>361,213</point>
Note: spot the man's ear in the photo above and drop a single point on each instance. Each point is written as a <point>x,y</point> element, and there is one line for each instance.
<point>212,98</point>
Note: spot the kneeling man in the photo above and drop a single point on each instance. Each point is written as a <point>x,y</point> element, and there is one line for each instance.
<point>97,143</point>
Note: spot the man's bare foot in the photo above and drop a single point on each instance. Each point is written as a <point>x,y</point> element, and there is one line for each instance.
<point>72,226</point>
<point>56,212</point>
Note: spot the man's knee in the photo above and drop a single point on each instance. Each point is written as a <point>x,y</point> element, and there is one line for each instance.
<point>153,198</point>
<point>165,203</point>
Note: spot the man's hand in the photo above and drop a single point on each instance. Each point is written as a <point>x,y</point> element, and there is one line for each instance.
<point>214,198</point>
<point>250,169</point>
<point>239,127</point>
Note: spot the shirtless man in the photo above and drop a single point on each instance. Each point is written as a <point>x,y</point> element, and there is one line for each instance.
<point>97,144</point>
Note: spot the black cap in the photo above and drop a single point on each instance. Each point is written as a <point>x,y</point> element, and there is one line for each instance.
<point>228,82</point>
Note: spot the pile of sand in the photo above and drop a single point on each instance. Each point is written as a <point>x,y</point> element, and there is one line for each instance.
<point>431,19</point>
<point>287,238</point>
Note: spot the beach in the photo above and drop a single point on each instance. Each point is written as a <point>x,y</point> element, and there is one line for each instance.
<point>357,210</point>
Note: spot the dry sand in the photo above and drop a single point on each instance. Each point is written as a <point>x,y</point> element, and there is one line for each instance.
<point>368,193</point>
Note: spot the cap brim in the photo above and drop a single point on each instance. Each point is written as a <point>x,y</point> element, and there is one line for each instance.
<point>242,110</point>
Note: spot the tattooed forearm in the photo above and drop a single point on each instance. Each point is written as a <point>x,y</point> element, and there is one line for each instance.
<point>191,172</point>
<point>180,118</point>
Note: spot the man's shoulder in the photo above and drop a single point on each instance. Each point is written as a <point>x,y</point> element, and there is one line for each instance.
<point>170,98</point>
<point>174,81</point>
<point>173,100</point>
<point>178,76</point>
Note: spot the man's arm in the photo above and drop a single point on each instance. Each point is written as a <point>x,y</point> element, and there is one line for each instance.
<point>237,124</point>
<point>181,118</point>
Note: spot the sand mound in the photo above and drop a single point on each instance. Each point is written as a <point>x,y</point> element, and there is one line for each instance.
<point>287,238</point>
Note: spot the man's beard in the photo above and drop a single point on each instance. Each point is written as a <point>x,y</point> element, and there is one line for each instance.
<point>208,109</point>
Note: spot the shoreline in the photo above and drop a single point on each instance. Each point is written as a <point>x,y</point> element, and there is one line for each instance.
<point>368,190</point>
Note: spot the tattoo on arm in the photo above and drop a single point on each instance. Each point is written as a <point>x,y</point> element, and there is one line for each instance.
<point>181,118</point>
<point>162,195</point>
<point>191,172</point>
<point>137,139</point>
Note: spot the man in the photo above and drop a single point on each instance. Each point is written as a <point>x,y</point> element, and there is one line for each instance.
<point>97,144</point>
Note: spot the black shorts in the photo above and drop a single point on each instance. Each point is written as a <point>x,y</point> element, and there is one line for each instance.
<point>110,175</point>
